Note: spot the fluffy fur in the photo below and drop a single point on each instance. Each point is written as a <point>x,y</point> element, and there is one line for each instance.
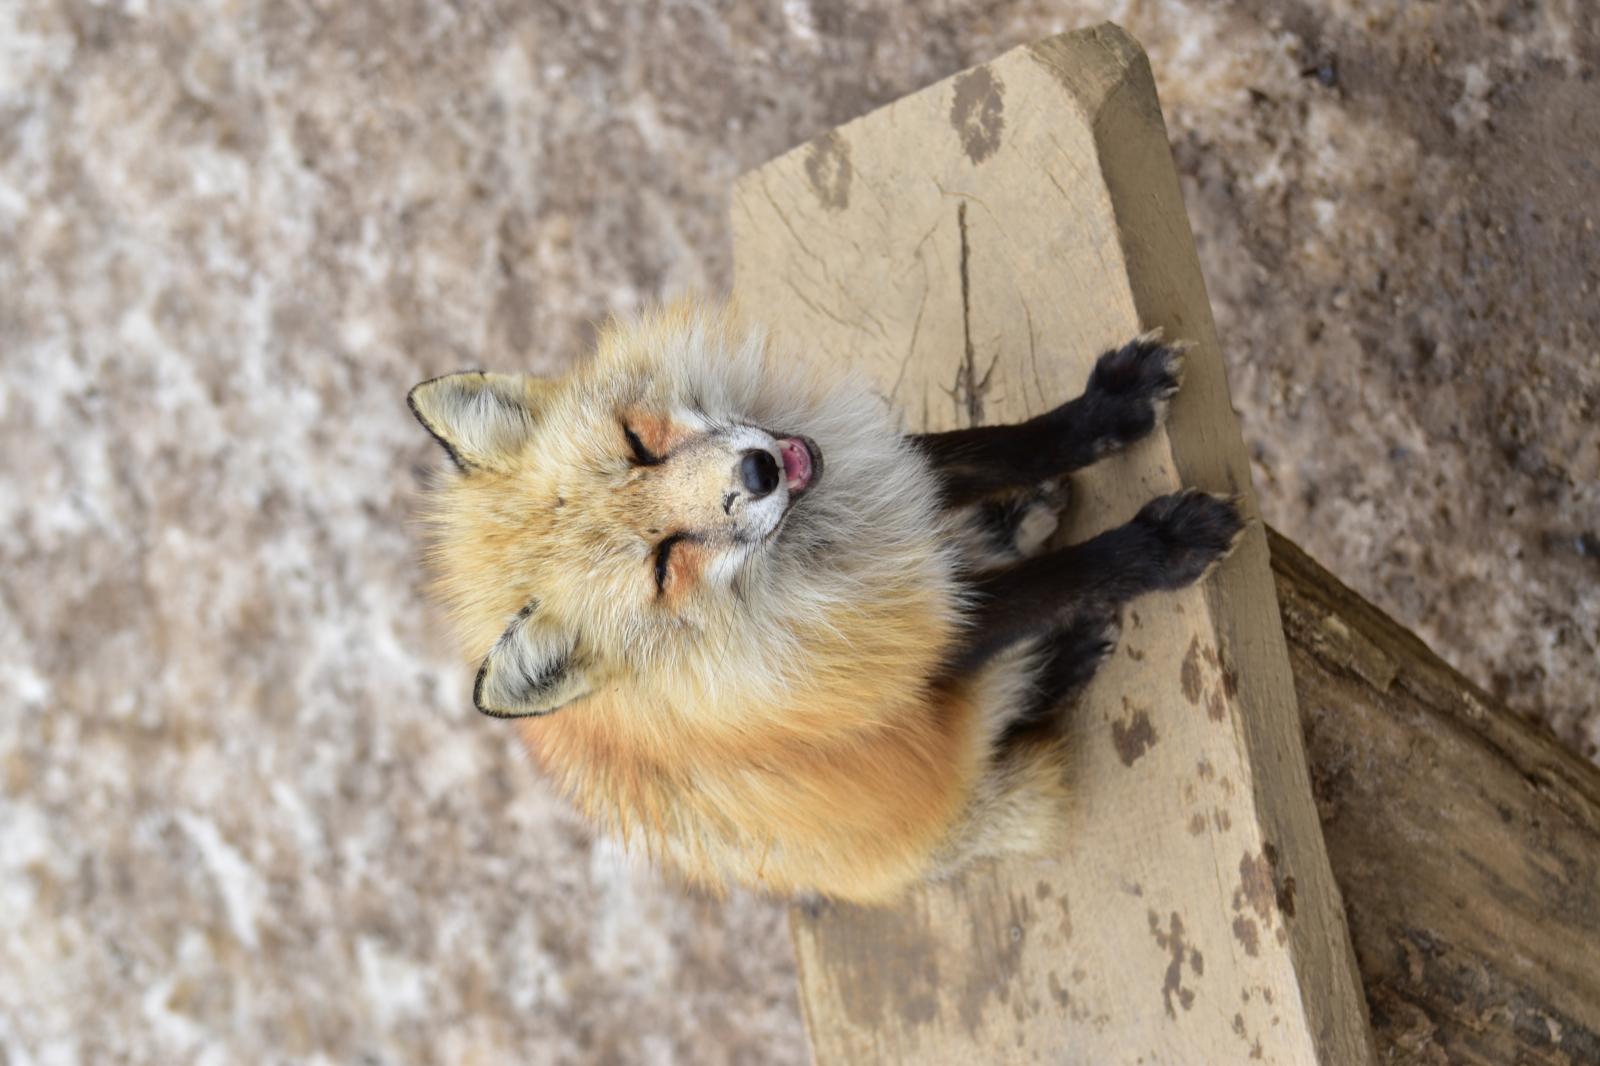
<point>784,690</point>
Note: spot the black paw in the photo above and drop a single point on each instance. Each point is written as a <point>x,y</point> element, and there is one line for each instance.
<point>1078,648</point>
<point>1130,388</point>
<point>1023,522</point>
<point>1069,658</point>
<point>1194,531</point>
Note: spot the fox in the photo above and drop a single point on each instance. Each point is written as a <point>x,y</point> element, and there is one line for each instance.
<point>746,623</point>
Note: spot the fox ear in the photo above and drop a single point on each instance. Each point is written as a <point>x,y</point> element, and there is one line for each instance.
<point>481,419</point>
<point>530,670</point>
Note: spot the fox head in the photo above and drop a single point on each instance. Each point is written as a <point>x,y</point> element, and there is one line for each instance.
<point>687,512</point>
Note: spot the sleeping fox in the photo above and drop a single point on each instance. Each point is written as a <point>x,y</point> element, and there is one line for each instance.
<point>745,622</point>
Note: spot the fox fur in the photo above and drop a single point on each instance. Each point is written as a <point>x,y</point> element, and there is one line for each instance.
<point>747,624</point>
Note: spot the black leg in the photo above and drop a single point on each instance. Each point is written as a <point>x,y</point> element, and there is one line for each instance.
<point>1170,543</point>
<point>1125,398</point>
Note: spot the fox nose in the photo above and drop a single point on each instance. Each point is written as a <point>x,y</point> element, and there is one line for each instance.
<point>759,472</point>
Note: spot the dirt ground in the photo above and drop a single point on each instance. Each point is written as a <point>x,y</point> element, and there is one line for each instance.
<point>248,812</point>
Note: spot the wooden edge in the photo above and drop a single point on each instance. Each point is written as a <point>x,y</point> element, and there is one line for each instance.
<point>1378,642</point>
<point>1208,450</point>
<point>1465,839</point>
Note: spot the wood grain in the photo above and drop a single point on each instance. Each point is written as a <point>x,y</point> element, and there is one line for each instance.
<point>969,250</point>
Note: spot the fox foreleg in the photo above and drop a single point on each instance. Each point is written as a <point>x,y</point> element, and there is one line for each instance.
<point>1126,397</point>
<point>1074,596</point>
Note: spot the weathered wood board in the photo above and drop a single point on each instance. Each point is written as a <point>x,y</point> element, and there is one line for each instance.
<point>1465,840</point>
<point>970,249</point>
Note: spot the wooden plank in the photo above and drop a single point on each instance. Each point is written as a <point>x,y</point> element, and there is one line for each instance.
<point>1465,840</point>
<point>971,249</point>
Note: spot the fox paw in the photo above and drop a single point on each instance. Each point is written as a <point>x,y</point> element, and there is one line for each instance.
<point>1068,659</point>
<point>1024,522</point>
<point>1194,531</point>
<point>1039,517</point>
<point>1017,525</point>
<point>1131,388</point>
<point>1080,646</point>
<point>1035,528</point>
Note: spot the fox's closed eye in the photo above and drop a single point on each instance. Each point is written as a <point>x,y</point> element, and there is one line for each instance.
<point>641,455</point>
<point>664,560</point>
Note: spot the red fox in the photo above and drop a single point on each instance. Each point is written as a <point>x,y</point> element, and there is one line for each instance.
<point>747,623</point>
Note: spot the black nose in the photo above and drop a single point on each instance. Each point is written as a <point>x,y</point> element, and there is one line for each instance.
<point>759,472</point>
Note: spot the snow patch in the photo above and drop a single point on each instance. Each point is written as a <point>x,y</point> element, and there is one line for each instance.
<point>244,896</point>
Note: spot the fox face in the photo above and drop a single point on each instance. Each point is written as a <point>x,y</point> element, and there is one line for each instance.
<point>680,514</point>
<point>706,493</point>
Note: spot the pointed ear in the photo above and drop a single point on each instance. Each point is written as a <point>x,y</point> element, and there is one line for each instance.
<point>532,669</point>
<point>481,419</point>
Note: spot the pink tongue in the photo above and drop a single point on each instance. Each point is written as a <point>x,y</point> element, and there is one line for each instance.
<point>796,463</point>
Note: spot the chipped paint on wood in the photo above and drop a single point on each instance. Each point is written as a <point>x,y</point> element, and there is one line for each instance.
<point>1134,734</point>
<point>829,170</point>
<point>1189,678</point>
<point>977,112</point>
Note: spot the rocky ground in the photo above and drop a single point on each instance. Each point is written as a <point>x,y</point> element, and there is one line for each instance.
<point>248,814</point>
